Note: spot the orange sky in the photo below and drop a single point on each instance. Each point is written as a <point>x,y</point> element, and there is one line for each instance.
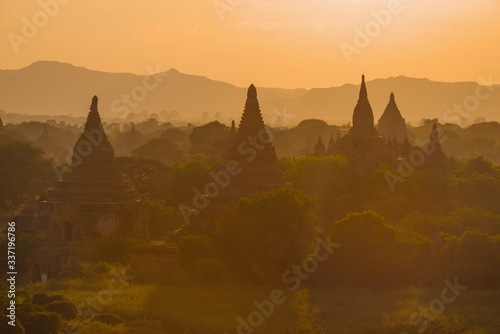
<point>281,43</point>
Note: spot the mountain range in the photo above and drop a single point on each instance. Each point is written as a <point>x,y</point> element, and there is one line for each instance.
<point>54,88</point>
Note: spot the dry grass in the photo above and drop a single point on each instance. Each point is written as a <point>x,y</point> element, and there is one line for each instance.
<point>171,307</point>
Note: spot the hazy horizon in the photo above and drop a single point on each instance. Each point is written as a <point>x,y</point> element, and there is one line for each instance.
<point>272,44</point>
<point>354,82</point>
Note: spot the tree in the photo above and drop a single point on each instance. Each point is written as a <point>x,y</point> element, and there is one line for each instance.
<point>149,176</point>
<point>22,165</point>
<point>163,149</point>
<point>209,140</point>
<point>264,235</point>
<point>365,255</point>
<point>186,176</point>
<point>478,165</point>
<point>474,258</point>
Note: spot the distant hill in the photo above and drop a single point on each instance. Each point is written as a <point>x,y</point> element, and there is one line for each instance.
<point>54,88</point>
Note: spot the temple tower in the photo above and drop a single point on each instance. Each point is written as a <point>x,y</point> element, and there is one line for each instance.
<point>93,198</point>
<point>362,145</point>
<point>252,158</point>
<point>362,118</point>
<point>391,123</point>
<point>319,148</point>
<point>331,146</point>
<point>435,158</point>
<point>253,150</point>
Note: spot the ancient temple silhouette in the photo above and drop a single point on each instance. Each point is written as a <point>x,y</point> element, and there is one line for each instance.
<point>367,147</point>
<point>363,146</point>
<point>126,142</point>
<point>435,158</point>
<point>252,153</point>
<point>4,137</point>
<point>260,172</point>
<point>93,199</point>
<point>391,124</point>
<point>48,144</point>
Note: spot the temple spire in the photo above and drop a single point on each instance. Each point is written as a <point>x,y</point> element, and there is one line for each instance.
<point>331,145</point>
<point>391,123</point>
<point>252,91</point>
<point>436,160</point>
<point>363,94</point>
<point>93,126</point>
<point>362,118</point>
<point>251,120</point>
<point>435,138</point>
<point>319,148</point>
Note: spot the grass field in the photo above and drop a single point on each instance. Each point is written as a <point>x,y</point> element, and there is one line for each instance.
<point>180,306</point>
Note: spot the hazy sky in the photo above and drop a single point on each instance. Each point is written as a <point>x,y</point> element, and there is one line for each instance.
<point>283,43</point>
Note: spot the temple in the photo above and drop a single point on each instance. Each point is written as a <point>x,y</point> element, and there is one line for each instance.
<point>93,199</point>
<point>391,124</point>
<point>4,137</point>
<point>47,144</point>
<point>126,142</point>
<point>251,152</point>
<point>435,158</point>
<point>320,148</point>
<point>367,147</point>
<point>362,145</point>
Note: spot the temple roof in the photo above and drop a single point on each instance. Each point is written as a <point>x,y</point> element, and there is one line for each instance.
<point>93,156</point>
<point>319,143</point>
<point>435,138</point>
<point>391,123</point>
<point>251,120</point>
<point>362,118</point>
<point>331,145</point>
<point>435,159</point>
<point>392,110</point>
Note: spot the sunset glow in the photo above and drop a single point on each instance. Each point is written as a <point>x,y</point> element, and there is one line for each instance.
<point>287,44</point>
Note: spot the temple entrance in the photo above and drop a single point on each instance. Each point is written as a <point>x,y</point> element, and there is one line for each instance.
<point>68,232</point>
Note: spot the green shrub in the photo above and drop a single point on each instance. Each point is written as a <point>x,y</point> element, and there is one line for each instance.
<point>193,248</point>
<point>100,268</point>
<point>44,299</point>
<point>109,318</point>
<point>66,309</point>
<point>210,270</point>
<point>110,250</point>
<point>42,322</point>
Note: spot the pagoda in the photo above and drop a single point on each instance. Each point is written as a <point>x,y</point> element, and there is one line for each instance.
<point>391,124</point>
<point>320,148</point>
<point>362,145</point>
<point>435,158</point>
<point>251,152</point>
<point>93,198</point>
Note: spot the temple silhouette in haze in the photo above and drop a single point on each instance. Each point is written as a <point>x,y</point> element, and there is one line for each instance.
<point>367,147</point>
<point>92,200</point>
<point>252,156</point>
